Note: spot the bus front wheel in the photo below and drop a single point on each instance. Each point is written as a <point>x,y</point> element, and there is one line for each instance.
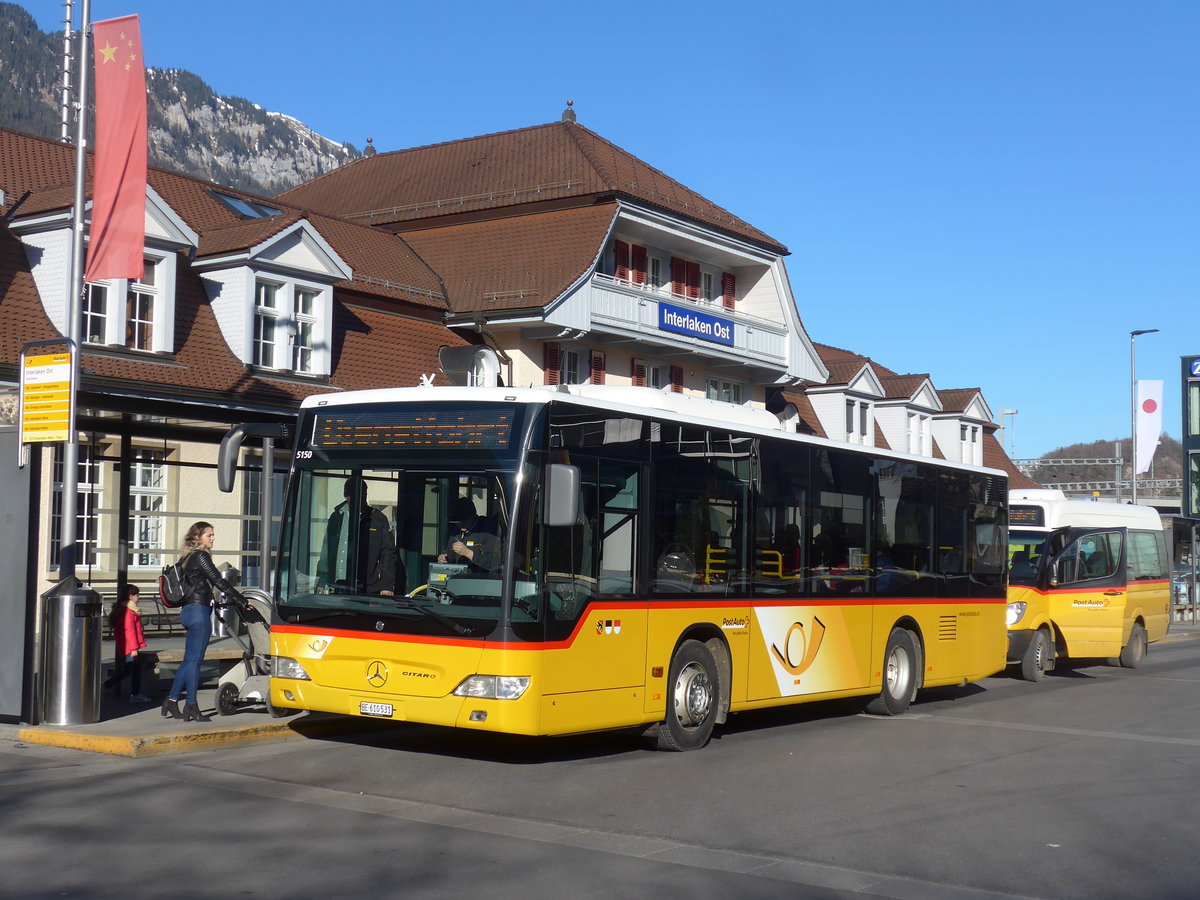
<point>899,675</point>
<point>692,702</point>
<point>1134,653</point>
<point>1035,661</point>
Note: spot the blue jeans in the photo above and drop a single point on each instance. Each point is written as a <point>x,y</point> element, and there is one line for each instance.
<point>197,619</point>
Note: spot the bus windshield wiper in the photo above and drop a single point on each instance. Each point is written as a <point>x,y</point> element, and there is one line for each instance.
<point>409,603</point>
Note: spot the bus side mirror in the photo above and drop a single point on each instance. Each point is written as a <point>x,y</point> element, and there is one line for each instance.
<point>227,456</point>
<point>1053,577</point>
<point>560,500</point>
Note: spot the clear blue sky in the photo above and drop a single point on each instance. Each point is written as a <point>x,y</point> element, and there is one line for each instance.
<point>995,192</point>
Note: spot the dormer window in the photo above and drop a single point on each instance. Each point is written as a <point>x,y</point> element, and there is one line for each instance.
<point>131,313</point>
<point>285,326</point>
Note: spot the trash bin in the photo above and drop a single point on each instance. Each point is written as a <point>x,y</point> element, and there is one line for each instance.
<point>71,614</point>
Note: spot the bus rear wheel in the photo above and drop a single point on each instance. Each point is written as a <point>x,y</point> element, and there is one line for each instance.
<point>692,702</point>
<point>1036,659</point>
<point>899,675</point>
<point>1133,654</point>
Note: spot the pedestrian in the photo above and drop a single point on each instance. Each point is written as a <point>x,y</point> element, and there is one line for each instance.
<point>200,576</point>
<point>125,620</point>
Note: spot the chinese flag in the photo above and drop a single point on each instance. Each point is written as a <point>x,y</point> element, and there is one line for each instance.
<point>119,173</point>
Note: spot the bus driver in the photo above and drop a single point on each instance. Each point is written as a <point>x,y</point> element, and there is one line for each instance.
<point>468,543</point>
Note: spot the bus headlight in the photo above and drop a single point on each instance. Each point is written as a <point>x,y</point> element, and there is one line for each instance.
<point>1015,612</point>
<point>493,687</point>
<point>286,667</point>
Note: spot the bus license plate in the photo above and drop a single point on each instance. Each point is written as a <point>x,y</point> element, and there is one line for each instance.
<point>384,710</point>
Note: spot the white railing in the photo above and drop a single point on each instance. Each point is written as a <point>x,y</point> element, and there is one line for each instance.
<point>624,306</point>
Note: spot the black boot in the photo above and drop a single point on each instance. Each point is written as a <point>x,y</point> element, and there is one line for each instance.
<point>171,708</point>
<point>191,713</point>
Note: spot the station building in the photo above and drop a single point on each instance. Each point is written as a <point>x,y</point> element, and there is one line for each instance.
<point>569,257</point>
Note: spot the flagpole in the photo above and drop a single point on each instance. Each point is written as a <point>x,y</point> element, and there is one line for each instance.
<point>70,473</point>
<point>1133,454</point>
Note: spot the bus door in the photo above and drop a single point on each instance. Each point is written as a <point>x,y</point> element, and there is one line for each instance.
<point>595,632</point>
<point>1088,592</point>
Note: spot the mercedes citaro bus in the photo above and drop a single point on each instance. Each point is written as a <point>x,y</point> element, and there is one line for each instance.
<point>1086,580</point>
<point>655,561</point>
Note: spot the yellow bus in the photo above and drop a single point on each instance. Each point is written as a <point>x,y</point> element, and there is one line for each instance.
<point>1086,580</point>
<point>629,558</point>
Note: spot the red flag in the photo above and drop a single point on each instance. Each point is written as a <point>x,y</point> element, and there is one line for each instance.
<point>119,173</point>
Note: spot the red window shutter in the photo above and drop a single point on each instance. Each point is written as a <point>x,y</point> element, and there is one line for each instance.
<point>638,374</point>
<point>678,277</point>
<point>638,253</point>
<point>622,255</point>
<point>550,362</point>
<point>728,289</point>
<point>677,379</point>
<point>597,361</point>
<point>693,281</point>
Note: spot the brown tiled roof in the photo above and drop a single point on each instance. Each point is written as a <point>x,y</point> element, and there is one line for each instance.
<point>560,161</point>
<point>841,371</point>
<point>899,387</point>
<point>995,457</point>
<point>383,264</point>
<point>515,263</point>
<point>837,356</point>
<point>808,415</point>
<point>204,363</point>
<point>956,400</point>
<point>880,440</point>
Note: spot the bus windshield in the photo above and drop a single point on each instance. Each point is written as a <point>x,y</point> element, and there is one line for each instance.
<point>1026,552</point>
<point>405,532</point>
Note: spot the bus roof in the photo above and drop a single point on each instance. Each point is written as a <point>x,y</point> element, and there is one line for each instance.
<point>618,398</point>
<point>1062,512</point>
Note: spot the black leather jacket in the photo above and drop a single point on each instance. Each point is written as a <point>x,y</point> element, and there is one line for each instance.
<point>202,576</point>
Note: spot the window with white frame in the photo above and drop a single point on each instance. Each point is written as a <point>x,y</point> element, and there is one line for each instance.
<point>267,315</point>
<point>286,318</point>
<point>707,286</point>
<point>858,422</point>
<point>972,447</point>
<point>134,324</point>
<point>722,389</point>
<point>569,371</point>
<point>654,277</point>
<point>87,505</point>
<point>147,507</point>
<point>919,434</point>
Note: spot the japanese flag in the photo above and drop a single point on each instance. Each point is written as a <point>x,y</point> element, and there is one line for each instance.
<point>1149,423</point>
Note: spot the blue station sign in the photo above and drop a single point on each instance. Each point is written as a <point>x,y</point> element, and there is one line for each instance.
<point>693,323</point>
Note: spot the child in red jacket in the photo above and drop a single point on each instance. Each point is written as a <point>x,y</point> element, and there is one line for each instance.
<point>126,624</point>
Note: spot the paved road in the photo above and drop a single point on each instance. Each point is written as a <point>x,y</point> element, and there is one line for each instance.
<point>1084,786</point>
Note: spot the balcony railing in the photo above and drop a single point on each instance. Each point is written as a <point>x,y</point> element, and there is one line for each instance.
<point>621,307</point>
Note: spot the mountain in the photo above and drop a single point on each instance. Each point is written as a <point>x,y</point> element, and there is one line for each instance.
<point>1167,462</point>
<point>191,129</point>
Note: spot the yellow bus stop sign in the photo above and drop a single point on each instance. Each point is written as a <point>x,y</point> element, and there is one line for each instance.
<point>46,397</point>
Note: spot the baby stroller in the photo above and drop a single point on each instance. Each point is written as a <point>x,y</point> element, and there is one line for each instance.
<point>248,683</point>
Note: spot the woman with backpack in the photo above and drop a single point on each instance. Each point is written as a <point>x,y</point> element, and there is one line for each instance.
<point>200,576</point>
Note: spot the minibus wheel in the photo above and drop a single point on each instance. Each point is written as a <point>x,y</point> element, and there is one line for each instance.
<point>692,699</point>
<point>899,675</point>
<point>1134,653</point>
<point>1033,663</point>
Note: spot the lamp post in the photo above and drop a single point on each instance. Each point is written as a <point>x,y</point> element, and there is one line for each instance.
<point>1133,411</point>
<point>1010,441</point>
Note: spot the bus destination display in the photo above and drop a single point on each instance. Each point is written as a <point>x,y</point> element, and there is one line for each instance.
<point>450,429</point>
<point>1027,515</point>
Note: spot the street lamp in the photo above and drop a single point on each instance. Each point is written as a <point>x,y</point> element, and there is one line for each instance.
<point>1133,411</point>
<point>1010,441</point>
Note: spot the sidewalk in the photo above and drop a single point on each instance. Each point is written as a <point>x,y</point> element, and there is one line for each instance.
<point>139,729</point>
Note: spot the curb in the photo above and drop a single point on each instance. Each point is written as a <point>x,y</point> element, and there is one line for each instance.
<point>145,745</point>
